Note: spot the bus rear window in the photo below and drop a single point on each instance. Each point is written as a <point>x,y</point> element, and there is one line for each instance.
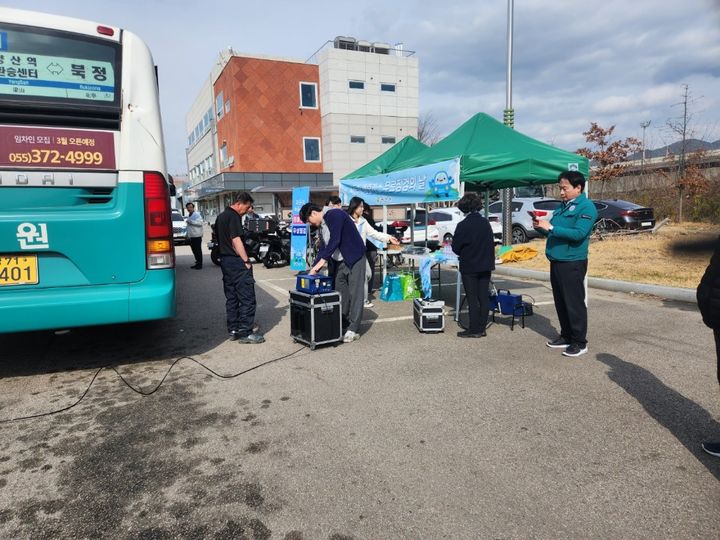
<point>49,70</point>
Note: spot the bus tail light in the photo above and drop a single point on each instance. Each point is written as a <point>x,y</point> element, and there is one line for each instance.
<point>158,223</point>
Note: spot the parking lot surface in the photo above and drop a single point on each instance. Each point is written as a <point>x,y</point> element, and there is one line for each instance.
<point>397,435</point>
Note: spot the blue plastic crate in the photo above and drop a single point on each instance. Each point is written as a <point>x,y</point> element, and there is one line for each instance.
<point>314,283</point>
<point>510,304</point>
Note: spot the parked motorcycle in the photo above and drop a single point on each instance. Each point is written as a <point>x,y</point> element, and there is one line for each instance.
<point>278,253</point>
<point>213,246</point>
<point>270,245</point>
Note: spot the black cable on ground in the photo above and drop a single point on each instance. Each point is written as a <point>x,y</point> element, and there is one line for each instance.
<point>144,393</point>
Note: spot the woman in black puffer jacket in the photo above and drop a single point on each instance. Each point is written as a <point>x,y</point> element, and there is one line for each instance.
<point>708,299</point>
<point>474,245</point>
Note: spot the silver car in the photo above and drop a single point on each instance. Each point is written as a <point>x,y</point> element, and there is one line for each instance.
<point>445,220</point>
<point>522,228</point>
<point>179,228</point>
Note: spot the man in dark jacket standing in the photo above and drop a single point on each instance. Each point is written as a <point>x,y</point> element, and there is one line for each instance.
<point>238,281</point>
<point>708,299</point>
<point>350,276</point>
<point>568,238</point>
<point>474,245</point>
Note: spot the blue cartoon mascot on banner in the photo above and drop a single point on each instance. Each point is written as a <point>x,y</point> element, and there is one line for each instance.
<point>441,184</point>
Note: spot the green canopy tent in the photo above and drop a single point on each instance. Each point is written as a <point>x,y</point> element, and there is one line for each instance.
<point>494,156</point>
<point>402,151</point>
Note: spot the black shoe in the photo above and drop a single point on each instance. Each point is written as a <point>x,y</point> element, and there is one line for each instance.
<point>712,448</point>
<point>234,335</point>
<point>558,343</point>
<point>252,339</point>
<point>574,350</point>
<point>196,267</point>
<point>469,334</point>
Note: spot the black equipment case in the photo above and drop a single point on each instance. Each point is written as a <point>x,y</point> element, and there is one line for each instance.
<point>429,315</point>
<point>315,319</point>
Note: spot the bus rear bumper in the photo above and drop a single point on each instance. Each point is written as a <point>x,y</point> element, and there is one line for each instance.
<point>46,309</point>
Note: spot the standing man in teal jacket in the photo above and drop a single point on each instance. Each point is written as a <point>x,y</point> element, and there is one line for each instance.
<point>568,237</point>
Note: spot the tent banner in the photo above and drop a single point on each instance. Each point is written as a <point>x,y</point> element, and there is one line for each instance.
<point>425,184</point>
<point>298,240</point>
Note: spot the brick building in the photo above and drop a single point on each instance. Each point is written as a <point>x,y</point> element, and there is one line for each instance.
<point>265,124</point>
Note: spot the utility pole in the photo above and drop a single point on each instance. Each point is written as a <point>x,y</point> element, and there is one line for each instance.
<point>681,128</point>
<point>643,125</point>
<point>683,149</point>
<point>508,120</point>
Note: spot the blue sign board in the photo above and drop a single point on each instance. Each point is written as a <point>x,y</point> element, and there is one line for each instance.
<point>425,184</point>
<point>298,240</point>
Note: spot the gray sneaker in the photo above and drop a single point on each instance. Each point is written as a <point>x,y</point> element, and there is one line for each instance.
<point>252,339</point>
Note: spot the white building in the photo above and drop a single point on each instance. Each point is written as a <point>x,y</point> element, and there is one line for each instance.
<point>201,150</point>
<point>368,101</point>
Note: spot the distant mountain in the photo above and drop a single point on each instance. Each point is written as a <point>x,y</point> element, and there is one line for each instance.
<point>691,145</point>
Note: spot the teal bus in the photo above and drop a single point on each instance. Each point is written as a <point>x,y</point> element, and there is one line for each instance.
<point>85,226</point>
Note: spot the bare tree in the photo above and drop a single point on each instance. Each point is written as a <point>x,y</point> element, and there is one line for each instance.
<point>693,181</point>
<point>428,131</point>
<point>689,178</point>
<point>608,154</point>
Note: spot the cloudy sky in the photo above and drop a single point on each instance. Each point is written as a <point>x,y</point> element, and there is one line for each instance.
<point>614,62</point>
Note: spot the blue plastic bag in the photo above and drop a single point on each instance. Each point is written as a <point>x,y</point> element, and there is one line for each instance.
<point>392,290</point>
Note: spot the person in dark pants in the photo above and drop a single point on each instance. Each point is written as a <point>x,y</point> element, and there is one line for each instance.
<point>474,245</point>
<point>332,263</point>
<point>195,233</point>
<point>568,238</point>
<point>238,281</point>
<point>708,299</point>
<point>350,278</point>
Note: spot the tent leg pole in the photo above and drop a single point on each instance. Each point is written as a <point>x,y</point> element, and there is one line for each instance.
<point>387,252</point>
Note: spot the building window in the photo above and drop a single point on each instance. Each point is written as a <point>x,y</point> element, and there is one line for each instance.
<point>387,87</point>
<point>308,95</point>
<point>219,105</point>
<point>223,155</point>
<point>227,106</point>
<point>388,140</point>
<point>311,149</point>
<point>357,138</point>
<point>358,85</point>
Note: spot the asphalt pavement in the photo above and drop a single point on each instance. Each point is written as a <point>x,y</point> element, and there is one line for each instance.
<point>397,435</point>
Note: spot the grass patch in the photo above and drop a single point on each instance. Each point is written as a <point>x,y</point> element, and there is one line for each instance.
<point>642,258</point>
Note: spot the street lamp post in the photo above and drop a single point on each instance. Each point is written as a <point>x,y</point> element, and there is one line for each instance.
<point>644,126</point>
<point>508,120</point>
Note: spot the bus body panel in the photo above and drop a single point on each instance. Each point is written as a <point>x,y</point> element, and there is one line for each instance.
<point>87,243</point>
<point>141,137</point>
<point>152,298</point>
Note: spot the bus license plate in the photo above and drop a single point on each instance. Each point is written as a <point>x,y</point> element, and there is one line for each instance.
<point>18,270</point>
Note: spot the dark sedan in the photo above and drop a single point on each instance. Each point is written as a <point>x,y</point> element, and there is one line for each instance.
<point>625,214</point>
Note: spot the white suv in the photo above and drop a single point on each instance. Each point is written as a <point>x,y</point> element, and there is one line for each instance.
<point>522,228</point>
<point>179,228</point>
<point>445,220</point>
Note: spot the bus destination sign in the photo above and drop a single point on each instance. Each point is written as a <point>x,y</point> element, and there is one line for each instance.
<point>54,148</point>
